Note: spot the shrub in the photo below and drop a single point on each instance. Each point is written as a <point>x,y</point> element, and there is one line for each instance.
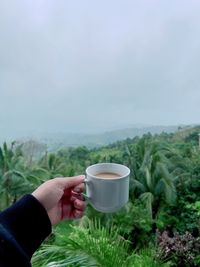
<point>132,222</point>
<point>183,250</point>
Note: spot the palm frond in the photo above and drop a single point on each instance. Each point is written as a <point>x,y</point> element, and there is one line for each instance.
<point>139,185</point>
<point>169,191</point>
<point>147,198</point>
<point>94,244</point>
<point>58,256</point>
<point>149,180</point>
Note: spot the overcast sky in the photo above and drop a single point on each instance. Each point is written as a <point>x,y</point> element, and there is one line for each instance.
<point>88,65</point>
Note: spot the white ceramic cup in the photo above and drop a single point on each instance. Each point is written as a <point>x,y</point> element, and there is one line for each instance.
<point>104,194</point>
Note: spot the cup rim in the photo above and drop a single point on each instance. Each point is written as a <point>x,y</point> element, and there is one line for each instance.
<point>108,163</point>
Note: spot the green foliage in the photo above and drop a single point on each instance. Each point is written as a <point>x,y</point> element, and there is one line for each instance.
<point>164,195</point>
<point>146,258</point>
<point>90,244</point>
<point>195,206</point>
<point>13,183</point>
<point>153,183</point>
<point>132,222</point>
<point>101,246</point>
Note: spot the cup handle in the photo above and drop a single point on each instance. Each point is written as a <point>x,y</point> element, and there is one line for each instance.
<point>86,197</point>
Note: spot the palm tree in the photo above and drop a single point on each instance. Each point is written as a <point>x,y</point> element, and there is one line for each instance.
<point>53,164</point>
<point>12,180</point>
<point>153,183</point>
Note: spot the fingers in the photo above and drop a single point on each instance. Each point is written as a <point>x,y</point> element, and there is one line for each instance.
<point>75,195</point>
<point>78,214</point>
<point>79,204</point>
<point>79,188</point>
<point>73,211</point>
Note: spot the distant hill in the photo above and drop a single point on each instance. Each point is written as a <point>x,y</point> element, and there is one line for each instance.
<point>39,144</point>
<point>55,141</point>
<point>59,140</point>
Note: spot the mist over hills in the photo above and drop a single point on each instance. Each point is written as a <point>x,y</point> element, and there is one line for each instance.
<point>56,140</point>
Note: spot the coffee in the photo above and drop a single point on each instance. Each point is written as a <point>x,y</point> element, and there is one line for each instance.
<point>107,175</point>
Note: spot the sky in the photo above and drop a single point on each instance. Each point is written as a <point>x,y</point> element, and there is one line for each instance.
<point>86,66</point>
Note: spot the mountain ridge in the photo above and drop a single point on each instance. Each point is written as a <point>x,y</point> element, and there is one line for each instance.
<point>105,138</point>
<point>54,141</point>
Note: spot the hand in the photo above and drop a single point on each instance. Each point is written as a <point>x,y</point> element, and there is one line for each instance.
<point>61,197</point>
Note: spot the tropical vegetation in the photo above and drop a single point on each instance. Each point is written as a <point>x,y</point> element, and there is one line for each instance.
<point>159,226</point>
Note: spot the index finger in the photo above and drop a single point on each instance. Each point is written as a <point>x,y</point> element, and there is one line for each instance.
<point>68,182</point>
<point>79,188</point>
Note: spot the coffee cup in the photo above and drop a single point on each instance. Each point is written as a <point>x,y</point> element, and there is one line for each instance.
<point>107,186</point>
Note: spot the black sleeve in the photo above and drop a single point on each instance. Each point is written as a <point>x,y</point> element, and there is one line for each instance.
<point>23,227</point>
